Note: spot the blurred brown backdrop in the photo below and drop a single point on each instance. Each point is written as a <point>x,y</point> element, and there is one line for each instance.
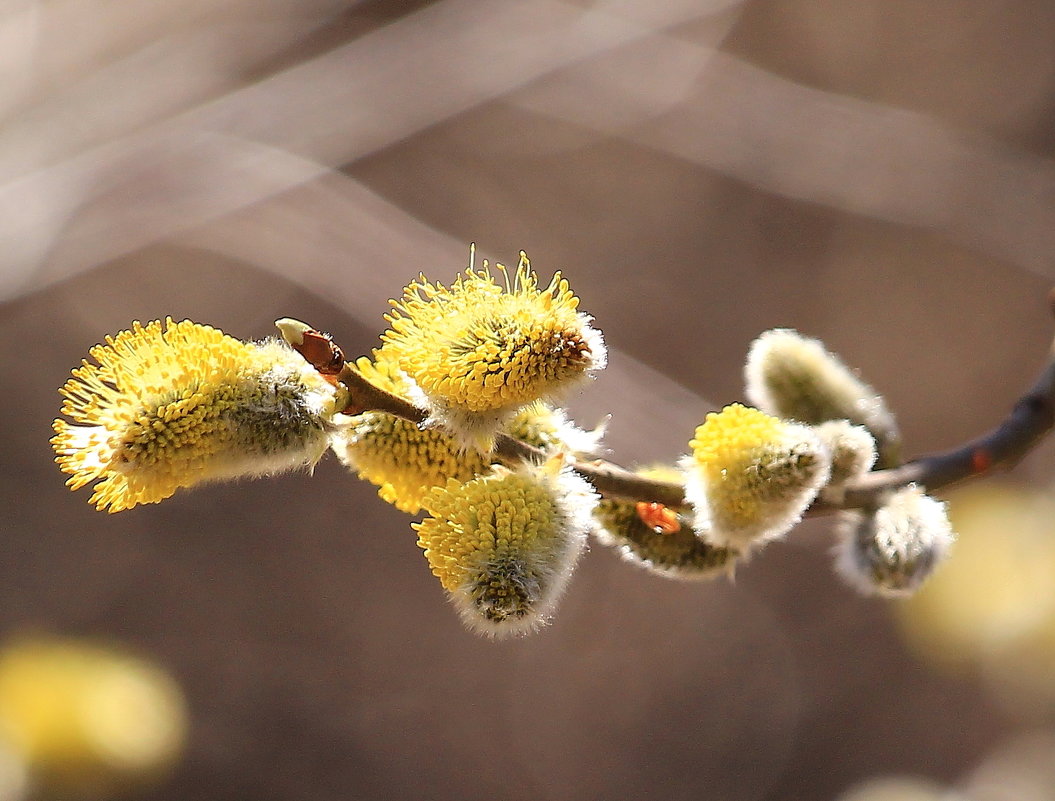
<point>877,174</point>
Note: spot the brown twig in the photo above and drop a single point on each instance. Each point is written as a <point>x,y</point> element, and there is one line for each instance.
<point>1029,421</point>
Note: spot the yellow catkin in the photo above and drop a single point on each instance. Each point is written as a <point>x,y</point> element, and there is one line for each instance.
<point>751,475</point>
<point>85,715</point>
<point>169,405</point>
<point>726,450</point>
<point>503,544</point>
<point>674,551</point>
<point>676,554</point>
<point>405,462</point>
<point>478,350</point>
<point>892,550</point>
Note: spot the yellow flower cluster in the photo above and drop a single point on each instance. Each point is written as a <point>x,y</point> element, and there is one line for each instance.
<point>83,715</point>
<point>750,476</point>
<point>477,351</point>
<point>406,461</point>
<point>503,545</point>
<point>171,405</point>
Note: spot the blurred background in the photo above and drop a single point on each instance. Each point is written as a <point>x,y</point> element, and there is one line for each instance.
<point>877,174</point>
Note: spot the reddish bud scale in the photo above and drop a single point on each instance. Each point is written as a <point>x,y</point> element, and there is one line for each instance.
<point>319,350</point>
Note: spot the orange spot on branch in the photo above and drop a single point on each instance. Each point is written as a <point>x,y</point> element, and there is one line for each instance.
<point>981,460</point>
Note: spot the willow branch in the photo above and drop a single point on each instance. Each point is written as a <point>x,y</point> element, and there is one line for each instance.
<point>1030,420</point>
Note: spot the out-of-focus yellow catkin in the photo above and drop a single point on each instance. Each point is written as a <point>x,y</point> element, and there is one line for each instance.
<point>894,549</point>
<point>992,607</point>
<point>795,377</point>
<point>406,462</point>
<point>479,350</point>
<point>504,544</point>
<point>750,476</point>
<point>170,405</point>
<point>85,718</point>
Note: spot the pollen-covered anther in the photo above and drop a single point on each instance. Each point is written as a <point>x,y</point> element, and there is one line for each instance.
<point>504,544</point>
<point>750,476</point>
<point>172,405</point>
